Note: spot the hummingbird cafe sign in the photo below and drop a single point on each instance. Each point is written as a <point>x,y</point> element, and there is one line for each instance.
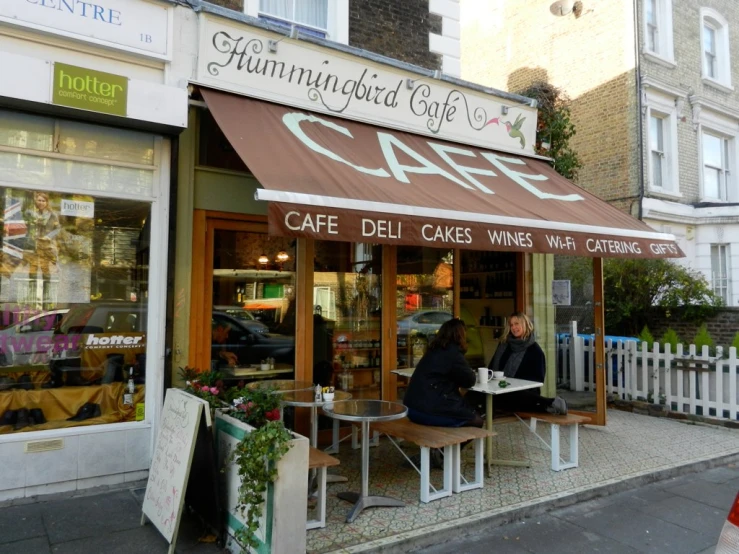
<point>242,60</point>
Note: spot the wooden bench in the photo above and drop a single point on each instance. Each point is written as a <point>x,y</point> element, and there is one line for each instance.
<point>556,422</point>
<point>320,461</point>
<point>447,438</point>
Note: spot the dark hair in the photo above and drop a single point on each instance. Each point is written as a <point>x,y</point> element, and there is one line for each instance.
<point>453,331</point>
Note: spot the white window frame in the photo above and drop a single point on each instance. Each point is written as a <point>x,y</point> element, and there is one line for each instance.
<point>337,28</point>
<point>714,20</point>
<point>728,163</point>
<point>664,107</point>
<point>664,51</point>
<point>720,277</point>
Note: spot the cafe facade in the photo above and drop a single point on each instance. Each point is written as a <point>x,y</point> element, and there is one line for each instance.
<point>87,121</point>
<point>335,207</point>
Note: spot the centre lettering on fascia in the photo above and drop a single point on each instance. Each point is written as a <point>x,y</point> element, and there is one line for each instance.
<point>390,144</point>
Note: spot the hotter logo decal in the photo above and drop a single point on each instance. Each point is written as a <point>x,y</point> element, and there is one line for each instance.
<point>120,341</point>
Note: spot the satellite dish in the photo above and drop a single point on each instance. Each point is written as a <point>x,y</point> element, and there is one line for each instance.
<point>562,7</point>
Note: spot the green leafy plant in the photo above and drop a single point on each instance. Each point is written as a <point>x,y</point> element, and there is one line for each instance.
<point>735,341</point>
<point>255,407</point>
<point>703,338</point>
<point>646,336</point>
<point>633,288</point>
<point>256,457</point>
<point>207,385</point>
<point>670,337</point>
<point>554,128</point>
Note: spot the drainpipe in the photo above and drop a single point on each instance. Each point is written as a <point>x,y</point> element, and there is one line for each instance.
<point>639,107</point>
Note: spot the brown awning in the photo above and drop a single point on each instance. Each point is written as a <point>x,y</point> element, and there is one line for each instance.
<point>335,179</point>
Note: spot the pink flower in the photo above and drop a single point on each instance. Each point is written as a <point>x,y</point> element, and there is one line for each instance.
<point>205,389</point>
<point>214,390</point>
<point>241,407</point>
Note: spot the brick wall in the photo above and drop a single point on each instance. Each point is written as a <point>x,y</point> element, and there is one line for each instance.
<point>395,29</point>
<point>510,44</point>
<point>722,327</point>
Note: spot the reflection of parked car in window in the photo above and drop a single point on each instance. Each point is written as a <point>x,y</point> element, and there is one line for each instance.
<point>250,345</point>
<point>99,339</point>
<point>423,324</point>
<point>29,340</point>
<point>243,315</point>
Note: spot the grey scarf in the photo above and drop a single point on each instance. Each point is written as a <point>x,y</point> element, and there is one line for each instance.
<point>518,351</point>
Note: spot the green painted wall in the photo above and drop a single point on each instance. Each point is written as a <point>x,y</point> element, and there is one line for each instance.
<point>542,266</point>
<point>226,191</point>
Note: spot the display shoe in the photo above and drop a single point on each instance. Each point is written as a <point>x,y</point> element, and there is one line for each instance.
<point>6,382</point>
<point>9,417</point>
<point>53,383</point>
<point>25,382</point>
<point>37,415</point>
<point>87,411</point>
<point>75,380</point>
<point>23,419</point>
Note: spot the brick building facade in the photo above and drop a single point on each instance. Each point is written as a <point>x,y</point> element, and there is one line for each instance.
<point>653,100</point>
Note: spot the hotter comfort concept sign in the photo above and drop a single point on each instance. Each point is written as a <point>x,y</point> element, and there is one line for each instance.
<point>87,89</point>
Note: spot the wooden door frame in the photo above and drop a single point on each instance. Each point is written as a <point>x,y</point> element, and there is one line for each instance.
<point>205,225</point>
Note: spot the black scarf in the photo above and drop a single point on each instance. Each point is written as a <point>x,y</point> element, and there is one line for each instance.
<point>517,348</point>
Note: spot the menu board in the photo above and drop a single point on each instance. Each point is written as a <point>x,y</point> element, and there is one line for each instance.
<point>170,464</point>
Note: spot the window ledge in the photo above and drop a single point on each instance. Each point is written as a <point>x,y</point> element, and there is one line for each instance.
<point>659,192</point>
<point>713,83</point>
<point>660,60</point>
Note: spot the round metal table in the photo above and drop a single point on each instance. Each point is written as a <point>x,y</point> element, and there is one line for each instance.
<point>280,385</point>
<point>307,399</point>
<point>365,412</point>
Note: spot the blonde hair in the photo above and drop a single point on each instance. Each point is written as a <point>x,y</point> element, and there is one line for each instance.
<point>528,327</point>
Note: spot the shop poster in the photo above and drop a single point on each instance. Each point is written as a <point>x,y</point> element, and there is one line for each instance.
<point>47,248</point>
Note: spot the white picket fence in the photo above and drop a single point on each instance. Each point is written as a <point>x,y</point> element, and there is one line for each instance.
<point>686,382</point>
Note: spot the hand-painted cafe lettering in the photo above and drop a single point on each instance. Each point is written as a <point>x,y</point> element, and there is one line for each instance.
<point>337,92</point>
<point>87,89</point>
<point>387,229</point>
<point>449,155</point>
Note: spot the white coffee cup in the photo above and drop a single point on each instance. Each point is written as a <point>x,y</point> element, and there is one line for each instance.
<point>484,375</point>
<point>498,374</point>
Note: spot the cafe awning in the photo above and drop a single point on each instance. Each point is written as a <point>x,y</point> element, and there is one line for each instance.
<point>335,179</point>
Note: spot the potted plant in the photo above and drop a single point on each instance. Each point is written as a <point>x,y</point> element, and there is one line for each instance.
<point>265,470</point>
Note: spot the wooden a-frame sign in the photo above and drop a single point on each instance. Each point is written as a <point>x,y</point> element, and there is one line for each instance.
<point>181,418</point>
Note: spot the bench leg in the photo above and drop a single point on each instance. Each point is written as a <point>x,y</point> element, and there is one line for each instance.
<point>557,463</point>
<point>426,488</point>
<point>457,478</point>
<point>320,502</point>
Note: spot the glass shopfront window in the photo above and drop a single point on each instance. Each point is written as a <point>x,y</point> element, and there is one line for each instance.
<point>253,315</point>
<point>73,296</point>
<point>347,303</point>
<point>424,300</point>
<point>74,277</point>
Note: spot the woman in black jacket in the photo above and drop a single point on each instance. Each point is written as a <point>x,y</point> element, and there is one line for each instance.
<point>433,396</point>
<point>519,356</point>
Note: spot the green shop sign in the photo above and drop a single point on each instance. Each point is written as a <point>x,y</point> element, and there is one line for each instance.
<point>86,89</point>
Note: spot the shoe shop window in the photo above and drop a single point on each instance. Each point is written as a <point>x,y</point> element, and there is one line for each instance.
<point>74,273</point>
<point>73,307</point>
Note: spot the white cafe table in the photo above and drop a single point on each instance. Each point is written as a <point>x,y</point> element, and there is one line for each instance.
<point>490,389</point>
<point>365,412</point>
<point>493,388</point>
